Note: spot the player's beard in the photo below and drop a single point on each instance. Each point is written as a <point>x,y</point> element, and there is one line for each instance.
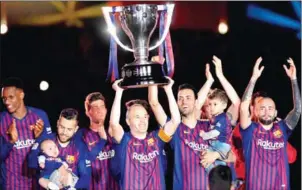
<point>266,121</point>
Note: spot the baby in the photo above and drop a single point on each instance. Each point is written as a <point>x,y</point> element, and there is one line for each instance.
<point>50,163</point>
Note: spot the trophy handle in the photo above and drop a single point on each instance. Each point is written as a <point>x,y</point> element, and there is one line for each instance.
<point>111,27</point>
<point>169,8</point>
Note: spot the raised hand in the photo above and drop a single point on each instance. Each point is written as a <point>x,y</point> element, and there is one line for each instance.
<point>291,71</point>
<point>170,84</point>
<point>218,66</point>
<point>37,128</point>
<point>158,59</point>
<point>12,132</point>
<point>208,73</point>
<point>256,70</point>
<point>116,85</point>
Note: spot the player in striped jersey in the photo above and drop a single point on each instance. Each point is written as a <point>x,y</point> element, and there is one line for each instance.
<point>72,149</point>
<point>20,125</point>
<point>264,141</point>
<point>99,143</point>
<point>138,163</point>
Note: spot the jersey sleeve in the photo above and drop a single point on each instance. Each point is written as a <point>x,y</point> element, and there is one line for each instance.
<point>117,165</point>
<point>6,147</point>
<point>286,130</point>
<point>42,115</point>
<point>83,168</point>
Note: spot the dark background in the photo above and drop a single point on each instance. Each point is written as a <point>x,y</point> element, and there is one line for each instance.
<point>75,62</point>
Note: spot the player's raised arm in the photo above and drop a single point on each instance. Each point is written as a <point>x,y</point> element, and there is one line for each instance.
<point>159,112</point>
<point>171,126</point>
<point>116,128</point>
<point>293,116</point>
<point>203,92</point>
<point>245,117</point>
<point>233,110</point>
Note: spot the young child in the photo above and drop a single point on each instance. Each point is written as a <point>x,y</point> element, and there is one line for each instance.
<point>220,125</point>
<point>50,163</point>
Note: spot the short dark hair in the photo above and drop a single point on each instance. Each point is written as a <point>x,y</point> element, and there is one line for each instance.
<point>188,86</point>
<point>13,82</point>
<point>94,96</point>
<point>69,114</point>
<point>218,94</point>
<point>220,178</point>
<point>258,94</point>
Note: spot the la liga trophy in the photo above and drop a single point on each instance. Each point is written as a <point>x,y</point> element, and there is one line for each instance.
<point>139,22</point>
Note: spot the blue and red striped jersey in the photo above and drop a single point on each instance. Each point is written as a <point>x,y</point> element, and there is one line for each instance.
<point>266,161</point>
<point>139,163</point>
<point>187,145</point>
<point>15,173</point>
<point>102,152</point>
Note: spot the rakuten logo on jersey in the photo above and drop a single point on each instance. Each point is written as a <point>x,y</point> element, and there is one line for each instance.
<point>196,146</point>
<point>24,143</point>
<point>143,158</point>
<point>270,145</point>
<point>106,155</point>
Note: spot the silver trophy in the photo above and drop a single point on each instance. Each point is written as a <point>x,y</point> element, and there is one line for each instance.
<point>138,22</point>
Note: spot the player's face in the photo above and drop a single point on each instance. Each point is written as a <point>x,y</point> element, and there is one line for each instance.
<point>216,106</point>
<point>138,119</point>
<point>266,111</point>
<point>186,101</point>
<point>206,110</point>
<point>66,129</point>
<point>12,98</point>
<point>51,149</point>
<point>98,111</point>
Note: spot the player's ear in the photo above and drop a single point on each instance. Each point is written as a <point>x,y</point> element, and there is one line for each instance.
<point>127,121</point>
<point>276,113</point>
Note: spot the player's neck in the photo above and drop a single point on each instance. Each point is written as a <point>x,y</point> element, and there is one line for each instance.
<point>267,127</point>
<point>95,126</point>
<point>63,144</point>
<point>21,112</point>
<point>189,120</point>
<point>140,136</point>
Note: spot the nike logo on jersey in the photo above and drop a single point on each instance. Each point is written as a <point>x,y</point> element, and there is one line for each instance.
<point>92,143</point>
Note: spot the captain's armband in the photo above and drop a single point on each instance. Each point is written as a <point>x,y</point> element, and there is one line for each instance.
<point>163,136</point>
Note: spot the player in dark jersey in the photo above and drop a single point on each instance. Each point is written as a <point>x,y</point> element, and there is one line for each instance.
<point>72,149</point>
<point>186,142</point>
<point>99,143</point>
<point>138,163</point>
<point>20,125</point>
<point>264,141</point>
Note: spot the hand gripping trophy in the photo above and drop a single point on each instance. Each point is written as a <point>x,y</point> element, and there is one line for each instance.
<point>138,22</point>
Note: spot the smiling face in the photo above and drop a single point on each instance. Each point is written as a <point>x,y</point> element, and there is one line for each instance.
<point>12,98</point>
<point>138,119</point>
<point>186,101</point>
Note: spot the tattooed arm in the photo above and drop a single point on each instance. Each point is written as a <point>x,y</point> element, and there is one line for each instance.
<point>245,118</point>
<point>293,116</point>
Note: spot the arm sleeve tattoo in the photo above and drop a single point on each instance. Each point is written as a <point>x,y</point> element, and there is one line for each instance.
<point>293,116</point>
<point>248,91</point>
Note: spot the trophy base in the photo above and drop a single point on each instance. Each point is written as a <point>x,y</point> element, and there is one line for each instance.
<point>143,75</point>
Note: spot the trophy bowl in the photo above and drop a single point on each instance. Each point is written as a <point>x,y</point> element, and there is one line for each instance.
<point>139,22</point>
